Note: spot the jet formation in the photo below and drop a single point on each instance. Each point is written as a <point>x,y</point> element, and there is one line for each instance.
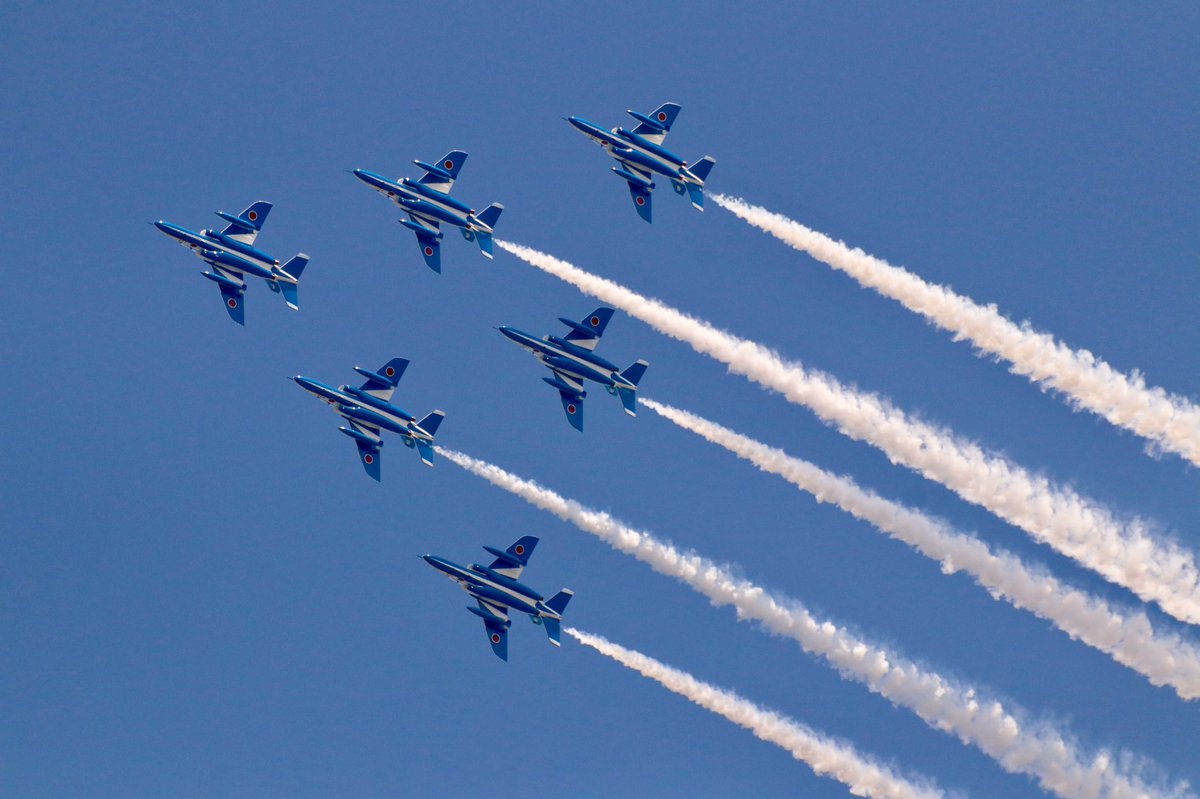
<point>496,591</point>
<point>232,255</point>
<point>640,156</point>
<point>369,411</point>
<point>572,361</point>
<point>428,203</point>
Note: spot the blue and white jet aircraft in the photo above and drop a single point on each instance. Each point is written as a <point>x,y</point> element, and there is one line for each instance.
<point>369,411</point>
<point>428,203</point>
<point>232,255</point>
<point>572,361</point>
<point>496,591</point>
<point>640,155</point>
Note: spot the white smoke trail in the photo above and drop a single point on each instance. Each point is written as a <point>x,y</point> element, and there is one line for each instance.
<point>1126,635</point>
<point>1034,749</point>
<point>1124,552</point>
<point>1170,421</point>
<point>825,756</point>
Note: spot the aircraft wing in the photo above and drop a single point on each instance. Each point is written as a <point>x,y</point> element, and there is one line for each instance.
<point>638,192</point>
<point>586,332</point>
<point>233,289</point>
<point>496,626</point>
<point>512,561</point>
<point>655,126</point>
<point>440,175</point>
<point>368,451</point>
<point>572,398</point>
<point>428,240</point>
<point>245,226</point>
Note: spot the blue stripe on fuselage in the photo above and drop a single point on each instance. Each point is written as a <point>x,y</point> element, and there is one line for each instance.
<point>649,146</point>
<point>375,402</point>
<point>507,582</point>
<point>588,364</point>
<point>409,189</point>
<point>213,241</point>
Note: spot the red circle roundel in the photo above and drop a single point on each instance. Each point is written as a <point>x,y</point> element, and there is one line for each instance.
<point>641,201</point>
<point>662,116</point>
<point>252,215</point>
<point>520,550</point>
<point>595,320</point>
<point>495,638</point>
<point>449,164</point>
<point>368,459</point>
<point>571,409</point>
<point>232,303</point>
<point>389,371</point>
<point>429,251</point>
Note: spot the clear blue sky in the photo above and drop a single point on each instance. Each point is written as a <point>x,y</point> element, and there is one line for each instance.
<point>202,595</point>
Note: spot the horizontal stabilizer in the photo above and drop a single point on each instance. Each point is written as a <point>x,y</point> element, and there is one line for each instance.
<point>295,266</point>
<point>432,422</point>
<point>425,450</point>
<point>558,602</point>
<point>634,373</point>
<point>490,215</point>
<point>702,167</point>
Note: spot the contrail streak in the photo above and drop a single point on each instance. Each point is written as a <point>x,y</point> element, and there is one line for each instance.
<point>1171,422</point>
<point>862,775</point>
<point>1019,746</point>
<point>1123,551</point>
<point>1126,635</point>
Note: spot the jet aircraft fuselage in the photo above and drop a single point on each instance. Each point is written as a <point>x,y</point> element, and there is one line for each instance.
<point>563,356</point>
<point>369,411</point>
<point>497,590</point>
<point>232,255</point>
<point>428,203</point>
<point>640,155</point>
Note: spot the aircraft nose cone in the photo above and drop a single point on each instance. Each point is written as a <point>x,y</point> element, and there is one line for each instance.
<point>163,226</point>
<point>507,331</point>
